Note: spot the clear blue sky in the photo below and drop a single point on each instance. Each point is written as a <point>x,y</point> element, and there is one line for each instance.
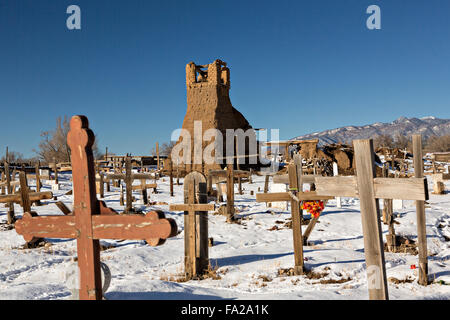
<point>300,66</point>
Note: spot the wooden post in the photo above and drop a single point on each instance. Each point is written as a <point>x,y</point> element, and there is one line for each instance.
<point>266,183</point>
<point>38,178</point>
<point>55,165</point>
<point>195,209</point>
<point>336,173</point>
<point>209,183</point>
<point>121,201</point>
<point>3,181</point>
<point>10,213</point>
<point>128,183</point>
<point>157,156</point>
<point>144,191</point>
<point>296,220</point>
<point>420,211</point>
<point>388,216</point>
<point>26,203</point>
<point>171,177</point>
<point>370,216</point>
<point>102,184</point>
<point>230,193</point>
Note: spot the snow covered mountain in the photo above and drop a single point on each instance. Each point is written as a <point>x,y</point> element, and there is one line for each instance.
<point>427,126</point>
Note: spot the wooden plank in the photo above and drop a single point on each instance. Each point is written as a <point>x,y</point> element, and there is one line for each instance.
<point>284,196</point>
<point>34,196</point>
<point>64,209</point>
<point>420,213</point>
<point>384,188</point>
<point>144,186</point>
<point>223,173</point>
<point>405,189</point>
<point>371,224</point>
<point>284,178</point>
<point>344,186</point>
<point>192,207</point>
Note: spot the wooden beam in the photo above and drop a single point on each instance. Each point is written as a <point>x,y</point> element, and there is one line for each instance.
<point>285,196</point>
<point>34,196</point>
<point>420,213</point>
<point>371,224</point>
<point>192,207</point>
<point>384,188</point>
<point>284,178</point>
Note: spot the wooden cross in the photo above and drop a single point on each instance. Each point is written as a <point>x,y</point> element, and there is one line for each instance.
<point>229,175</point>
<point>128,177</point>
<point>196,260</point>
<point>92,220</point>
<point>295,196</point>
<point>25,197</point>
<point>368,188</point>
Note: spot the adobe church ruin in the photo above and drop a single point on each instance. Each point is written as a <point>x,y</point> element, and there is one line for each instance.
<point>208,101</point>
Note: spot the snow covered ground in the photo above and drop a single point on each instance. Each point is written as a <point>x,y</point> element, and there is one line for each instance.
<point>248,256</point>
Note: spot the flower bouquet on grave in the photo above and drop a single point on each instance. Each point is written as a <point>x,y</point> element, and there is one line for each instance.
<point>313,207</point>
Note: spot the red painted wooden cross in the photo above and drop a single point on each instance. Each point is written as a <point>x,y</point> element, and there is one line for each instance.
<point>91,219</point>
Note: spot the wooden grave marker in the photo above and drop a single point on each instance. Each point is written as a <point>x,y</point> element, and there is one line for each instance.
<point>230,174</point>
<point>295,196</point>
<point>91,219</point>
<point>128,177</point>
<point>196,258</point>
<point>368,188</point>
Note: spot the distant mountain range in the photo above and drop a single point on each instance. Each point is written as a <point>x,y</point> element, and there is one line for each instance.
<point>427,126</point>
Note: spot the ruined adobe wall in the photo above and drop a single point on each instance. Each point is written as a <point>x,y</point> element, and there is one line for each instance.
<point>208,101</point>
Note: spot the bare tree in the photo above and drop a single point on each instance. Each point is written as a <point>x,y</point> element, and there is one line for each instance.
<point>165,149</point>
<point>54,143</point>
<point>438,144</point>
<point>383,140</point>
<point>402,142</point>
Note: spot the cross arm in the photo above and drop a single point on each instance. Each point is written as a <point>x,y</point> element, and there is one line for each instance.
<point>385,188</point>
<point>146,186</point>
<point>286,196</point>
<point>153,227</point>
<point>192,207</point>
<point>33,226</point>
<point>34,196</point>
<point>284,178</point>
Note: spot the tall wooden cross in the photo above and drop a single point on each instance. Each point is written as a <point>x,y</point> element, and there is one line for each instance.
<point>368,188</point>
<point>295,196</point>
<point>195,224</point>
<point>92,220</point>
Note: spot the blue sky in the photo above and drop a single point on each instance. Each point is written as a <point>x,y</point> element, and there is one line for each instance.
<point>300,66</point>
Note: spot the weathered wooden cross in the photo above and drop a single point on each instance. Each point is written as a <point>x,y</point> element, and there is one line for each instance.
<point>230,174</point>
<point>92,220</point>
<point>196,259</point>
<point>128,177</point>
<point>368,188</point>
<point>25,198</point>
<point>295,196</point>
